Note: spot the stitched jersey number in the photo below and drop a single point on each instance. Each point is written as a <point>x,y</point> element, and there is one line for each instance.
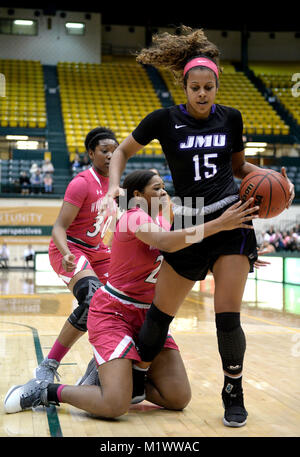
<point>151,278</point>
<point>98,226</point>
<point>211,166</point>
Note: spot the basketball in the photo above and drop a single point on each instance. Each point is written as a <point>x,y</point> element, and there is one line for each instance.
<point>269,189</point>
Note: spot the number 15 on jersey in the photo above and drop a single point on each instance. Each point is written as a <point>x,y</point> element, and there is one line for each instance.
<point>211,168</point>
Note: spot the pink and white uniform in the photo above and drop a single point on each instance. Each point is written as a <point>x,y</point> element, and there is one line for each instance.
<point>117,310</point>
<point>85,191</point>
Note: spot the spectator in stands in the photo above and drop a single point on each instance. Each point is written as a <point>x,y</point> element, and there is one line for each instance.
<point>290,242</point>
<point>278,242</point>
<point>34,167</point>
<point>273,237</point>
<point>24,182</point>
<point>4,256</point>
<point>48,182</point>
<point>267,248</point>
<point>266,236</point>
<point>298,244</point>
<point>286,238</point>
<point>36,182</point>
<point>296,235</point>
<point>47,167</point>
<point>28,255</point>
<point>76,163</point>
<point>271,230</point>
<point>85,162</point>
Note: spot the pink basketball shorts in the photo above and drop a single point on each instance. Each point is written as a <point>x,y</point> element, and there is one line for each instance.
<point>113,328</point>
<point>85,259</point>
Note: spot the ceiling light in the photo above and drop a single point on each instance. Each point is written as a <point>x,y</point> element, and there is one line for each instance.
<point>253,144</point>
<point>27,144</point>
<point>22,22</point>
<point>74,25</point>
<point>253,151</point>
<point>16,137</point>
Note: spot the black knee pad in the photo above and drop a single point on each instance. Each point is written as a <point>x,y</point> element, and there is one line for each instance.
<point>153,333</point>
<point>83,290</point>
<point>231,342</point>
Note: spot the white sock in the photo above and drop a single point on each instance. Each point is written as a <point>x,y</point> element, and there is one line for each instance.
<point>139,368</point>
<point>233,377</point>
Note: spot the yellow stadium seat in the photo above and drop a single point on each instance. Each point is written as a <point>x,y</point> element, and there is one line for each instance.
<point>4,121</point>
<point>277,77</point>
<point>13,121</point>
<point>25,95</point>
<point>115,95</point>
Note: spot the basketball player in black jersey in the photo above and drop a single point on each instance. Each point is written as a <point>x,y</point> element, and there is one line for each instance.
<point>203,145</point>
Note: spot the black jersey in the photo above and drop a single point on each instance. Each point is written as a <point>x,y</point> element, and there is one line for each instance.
<point>198,152</point>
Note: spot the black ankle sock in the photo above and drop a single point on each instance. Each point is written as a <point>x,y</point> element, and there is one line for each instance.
<point>138,378</point>
<point>52,392</point>
<point>235,382</point>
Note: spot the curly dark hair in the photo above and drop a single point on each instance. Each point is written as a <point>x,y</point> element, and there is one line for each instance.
<point>174,51</point>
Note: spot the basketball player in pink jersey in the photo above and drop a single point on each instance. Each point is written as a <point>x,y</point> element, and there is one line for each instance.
<point>76,251</point>
<point>118,310</point>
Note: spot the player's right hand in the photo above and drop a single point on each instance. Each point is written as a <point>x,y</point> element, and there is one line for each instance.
<point>68,263</point>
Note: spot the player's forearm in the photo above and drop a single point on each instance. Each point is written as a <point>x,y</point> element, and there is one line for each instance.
<point>178,239</point>
<point>117,166</point>
<point>196,234</point>
<point>244,169</point>
<point>59,237</point>
<point>212,227</point>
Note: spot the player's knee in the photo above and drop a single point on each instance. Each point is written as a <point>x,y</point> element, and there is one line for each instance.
<point>176,392</point>
<point>153,333</point>
<point>231,342</point>
<point>178,398</point>
<point>116,405</point>
<point>118,410</point>
<point>83,290</point>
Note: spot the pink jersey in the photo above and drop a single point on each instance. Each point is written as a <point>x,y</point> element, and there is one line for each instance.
<point>86,191</point>
<point>134,265</point>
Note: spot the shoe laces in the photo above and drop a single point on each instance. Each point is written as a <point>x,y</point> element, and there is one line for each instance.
<point>41,398</point>
<point>46,366</point>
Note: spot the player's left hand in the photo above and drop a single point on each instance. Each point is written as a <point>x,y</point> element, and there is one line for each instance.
<point>260,263</point>
<point>291,187</point>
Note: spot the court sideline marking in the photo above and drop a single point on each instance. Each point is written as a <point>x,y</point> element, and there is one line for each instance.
<point>53,421</point>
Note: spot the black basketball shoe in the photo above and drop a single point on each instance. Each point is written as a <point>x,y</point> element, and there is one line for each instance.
<point>233,401</point>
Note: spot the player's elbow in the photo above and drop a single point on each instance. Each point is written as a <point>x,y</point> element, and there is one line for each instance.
<point>239,172</point>
<point>168,246</point>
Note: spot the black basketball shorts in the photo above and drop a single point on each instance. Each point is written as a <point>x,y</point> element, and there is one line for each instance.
<point>194,261</point>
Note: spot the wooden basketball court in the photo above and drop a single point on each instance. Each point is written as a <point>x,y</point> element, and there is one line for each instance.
<point>32,316</point>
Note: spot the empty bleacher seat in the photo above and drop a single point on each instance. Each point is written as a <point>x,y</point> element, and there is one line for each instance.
<point>24,102</point>
<point>112,94</point>
<point>277,76</point>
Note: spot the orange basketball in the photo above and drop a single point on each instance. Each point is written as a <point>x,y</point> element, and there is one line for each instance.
<point>269,189</point>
